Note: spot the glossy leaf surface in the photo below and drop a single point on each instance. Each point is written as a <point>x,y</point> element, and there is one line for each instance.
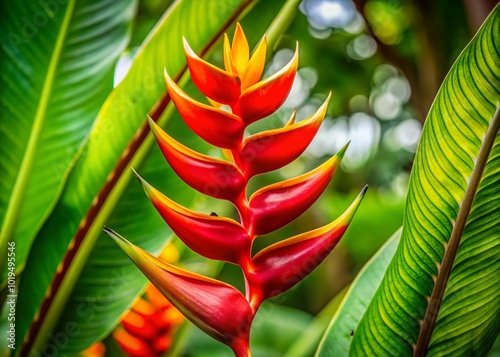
<point>459,141</point>
<point>54,79</point>
<point>339,334</point>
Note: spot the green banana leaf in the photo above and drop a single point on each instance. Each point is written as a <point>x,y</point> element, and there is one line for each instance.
<point>337,338</point>
<point>452,207</point>
<point>93,302</point>
<point>56,73</point>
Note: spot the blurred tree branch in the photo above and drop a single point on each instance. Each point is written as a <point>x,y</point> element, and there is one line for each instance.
<point>426,71</point>
<point>477,11</point>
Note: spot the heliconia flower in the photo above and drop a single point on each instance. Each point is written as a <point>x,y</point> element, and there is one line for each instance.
<point>263,152</point>
<point>282,265</point>
<point>219,85</point>
<point>97,349</point>
<point>215,307</point>
<point>218,127</point>
<point>206,235</point>
<point>265,97</point>
<point>218,308</point>
<point>213,177</point>
<point>276,205</point>
<point>147,328</point>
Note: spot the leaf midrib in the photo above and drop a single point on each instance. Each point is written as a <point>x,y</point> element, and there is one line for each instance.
<point>17,197</point>
<point>451,249</point>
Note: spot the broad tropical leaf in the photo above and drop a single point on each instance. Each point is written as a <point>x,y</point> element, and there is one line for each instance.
<point>453,207</point>
<point>54,79</point>
<point>337,338</point>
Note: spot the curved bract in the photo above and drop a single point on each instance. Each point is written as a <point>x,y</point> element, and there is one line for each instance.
<point>440,295</point>
<point>217,308</point>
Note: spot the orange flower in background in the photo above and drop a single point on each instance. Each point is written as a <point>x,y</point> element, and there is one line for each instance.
<point>147,329</point>
<point>95,350</point>
<point>215,307</point>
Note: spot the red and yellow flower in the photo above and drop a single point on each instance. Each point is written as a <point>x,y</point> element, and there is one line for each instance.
<point>216,307</point>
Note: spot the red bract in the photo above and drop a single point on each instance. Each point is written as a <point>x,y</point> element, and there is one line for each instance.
<point>217,308</point>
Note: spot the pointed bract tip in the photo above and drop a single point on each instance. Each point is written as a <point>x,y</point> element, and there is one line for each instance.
<point>168,80</point>
<point>342,151</point>
<point>115,236</point>
<point>187,48</point>
<point>123,243</point>
<point>324,106</point>
<point>291,121</point>
<point>349,213</point>
<point>152,125</point>
<point>137,177</point>
<point>145,185</point>
<point>358,199</point>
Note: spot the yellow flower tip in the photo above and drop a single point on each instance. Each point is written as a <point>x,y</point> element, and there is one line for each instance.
<point>296,53</point>
<point>289,68</point>
<point>172,88</point>
<point>187,49</point>
<point>255,67</point>
<point>321,112</point>
<point>151,122</point>
<point>239,37</point>
<point>228,57</point>
<point>155,129</point>
<point>291,121</point>
<point>168,80</point>
<point>348,215</point>
<point>333,163</point>
<point>240,50</point>
<point>264,40</point>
